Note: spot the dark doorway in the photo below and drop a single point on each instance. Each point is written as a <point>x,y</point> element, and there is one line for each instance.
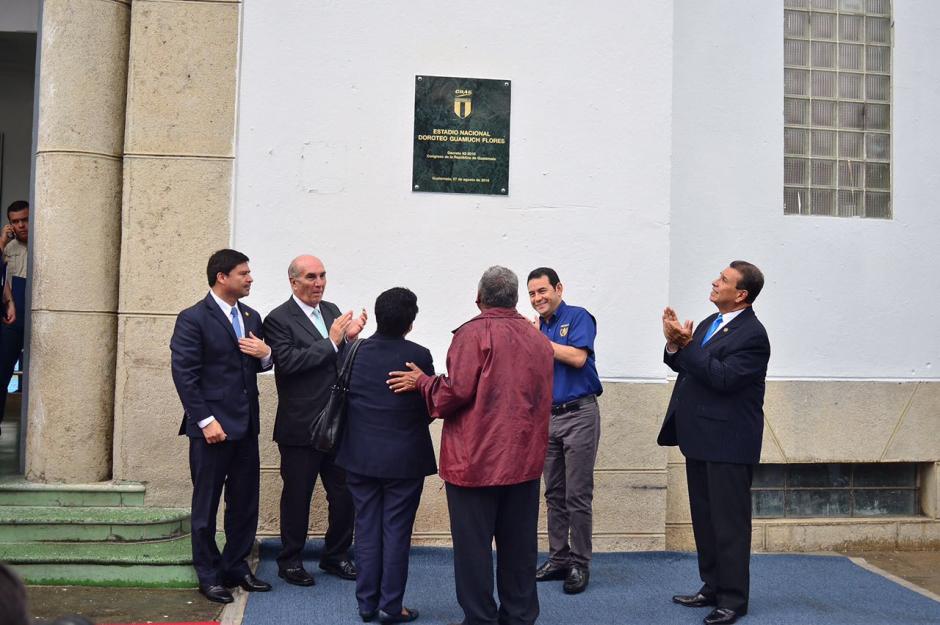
<point>17,90</point>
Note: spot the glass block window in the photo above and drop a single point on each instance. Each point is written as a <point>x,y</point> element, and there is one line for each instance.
<point>837,108</point>
<point>835,490</point>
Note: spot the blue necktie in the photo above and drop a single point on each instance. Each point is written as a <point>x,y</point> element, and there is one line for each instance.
<point>712,330</point>
<point>235,324</point>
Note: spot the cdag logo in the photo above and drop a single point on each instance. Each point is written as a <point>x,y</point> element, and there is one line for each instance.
<point>462,104</point>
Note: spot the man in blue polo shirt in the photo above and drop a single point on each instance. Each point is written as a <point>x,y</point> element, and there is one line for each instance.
<point>574,431</point>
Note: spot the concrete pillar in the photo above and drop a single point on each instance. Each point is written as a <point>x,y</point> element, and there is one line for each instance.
<point>76,239</point>
<point>178,164</point>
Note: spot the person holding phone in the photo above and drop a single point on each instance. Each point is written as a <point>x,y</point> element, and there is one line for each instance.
<point>14,238</point>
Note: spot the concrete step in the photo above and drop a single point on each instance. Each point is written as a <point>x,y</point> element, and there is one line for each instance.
<point>151,564</point>
<point>16,491</point>
<point>21,524</point>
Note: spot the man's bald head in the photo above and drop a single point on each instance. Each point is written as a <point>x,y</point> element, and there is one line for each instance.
<point>307,279</point>
<point>302,263</point>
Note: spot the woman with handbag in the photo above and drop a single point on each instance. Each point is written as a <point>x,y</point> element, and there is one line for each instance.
<point>387,452</point>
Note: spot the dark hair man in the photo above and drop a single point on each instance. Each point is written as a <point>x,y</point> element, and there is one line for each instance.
<point>307,335</point>
<point>395,311</point>
<point>716,418</point>
<point>492,449</point>
<point>573,432</point>
<point>217,351</point>
<point>14,238</point>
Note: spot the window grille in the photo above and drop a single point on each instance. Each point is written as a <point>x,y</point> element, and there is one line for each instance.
<point>837,108</point>
<point>835,490</point>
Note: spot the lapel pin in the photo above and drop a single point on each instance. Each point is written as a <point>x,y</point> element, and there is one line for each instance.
<point>247,314</point>
<point>724,330</point>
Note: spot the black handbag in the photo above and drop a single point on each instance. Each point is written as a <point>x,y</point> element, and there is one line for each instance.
<point>327,427</point>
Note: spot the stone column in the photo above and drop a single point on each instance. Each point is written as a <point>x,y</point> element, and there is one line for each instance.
<point>75,239</point>
<point>178,165</point>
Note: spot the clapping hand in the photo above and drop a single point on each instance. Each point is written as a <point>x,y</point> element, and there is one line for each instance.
<point>356,325</point>
<point>339,327</point>
<point>677,334</point>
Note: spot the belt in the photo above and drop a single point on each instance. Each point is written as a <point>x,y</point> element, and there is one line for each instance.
<point>574,404</point>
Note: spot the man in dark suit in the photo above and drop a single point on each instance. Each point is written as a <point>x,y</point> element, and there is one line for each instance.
<point>307,335</point>
<point>716,417</point>
<point>217,351</point>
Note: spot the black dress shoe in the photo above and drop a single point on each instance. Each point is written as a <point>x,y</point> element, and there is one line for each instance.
<point>409,615</point>
<point>367,616</point>
<point>549,572</point>
<point>340,568</point>
<point>721,616</point>
<point>217,594</point>
<point>577,580</point>
<point>698,600</point>
<point>250,583</point>
<point>298,576</point>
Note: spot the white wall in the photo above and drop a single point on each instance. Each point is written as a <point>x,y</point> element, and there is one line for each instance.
<point>845,297</point>
<point>324,157</point>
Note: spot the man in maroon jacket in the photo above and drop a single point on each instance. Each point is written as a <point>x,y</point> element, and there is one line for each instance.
<point>495,402</point>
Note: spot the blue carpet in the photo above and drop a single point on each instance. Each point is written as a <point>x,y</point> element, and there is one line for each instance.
<point>626,588</point>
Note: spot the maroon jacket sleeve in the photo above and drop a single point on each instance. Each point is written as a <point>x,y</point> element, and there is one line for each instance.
<point>447,394</point>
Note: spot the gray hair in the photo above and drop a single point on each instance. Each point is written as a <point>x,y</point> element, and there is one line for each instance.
<point>293,270</point>
<point>499,288</point>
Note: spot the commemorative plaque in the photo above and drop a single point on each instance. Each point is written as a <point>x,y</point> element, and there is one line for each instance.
<point>461,136</point>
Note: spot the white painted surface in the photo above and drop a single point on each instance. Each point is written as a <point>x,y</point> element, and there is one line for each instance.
<point>324,165</point>
<point>325,147</point>
<point>845,297</point>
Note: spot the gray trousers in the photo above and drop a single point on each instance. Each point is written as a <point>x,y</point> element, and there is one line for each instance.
<point>569,484</point>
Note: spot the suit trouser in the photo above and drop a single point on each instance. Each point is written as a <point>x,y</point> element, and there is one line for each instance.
<point>720,499</point>
<point>385,517</point>
<point>11,350</point>
<point>234,465</point>
<point>569,483</point>
<point>510,515</point>
<point>299,469</point>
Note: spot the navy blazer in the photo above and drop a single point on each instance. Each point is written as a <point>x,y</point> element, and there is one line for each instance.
<point>212,376</point>
<point>716,412</point>
<point>386,434</point>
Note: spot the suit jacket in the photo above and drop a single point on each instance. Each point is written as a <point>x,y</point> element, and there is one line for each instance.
<point>716,412</point>
<point>305,366</point>
<point>212,376</point>
<point>386,434</point>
